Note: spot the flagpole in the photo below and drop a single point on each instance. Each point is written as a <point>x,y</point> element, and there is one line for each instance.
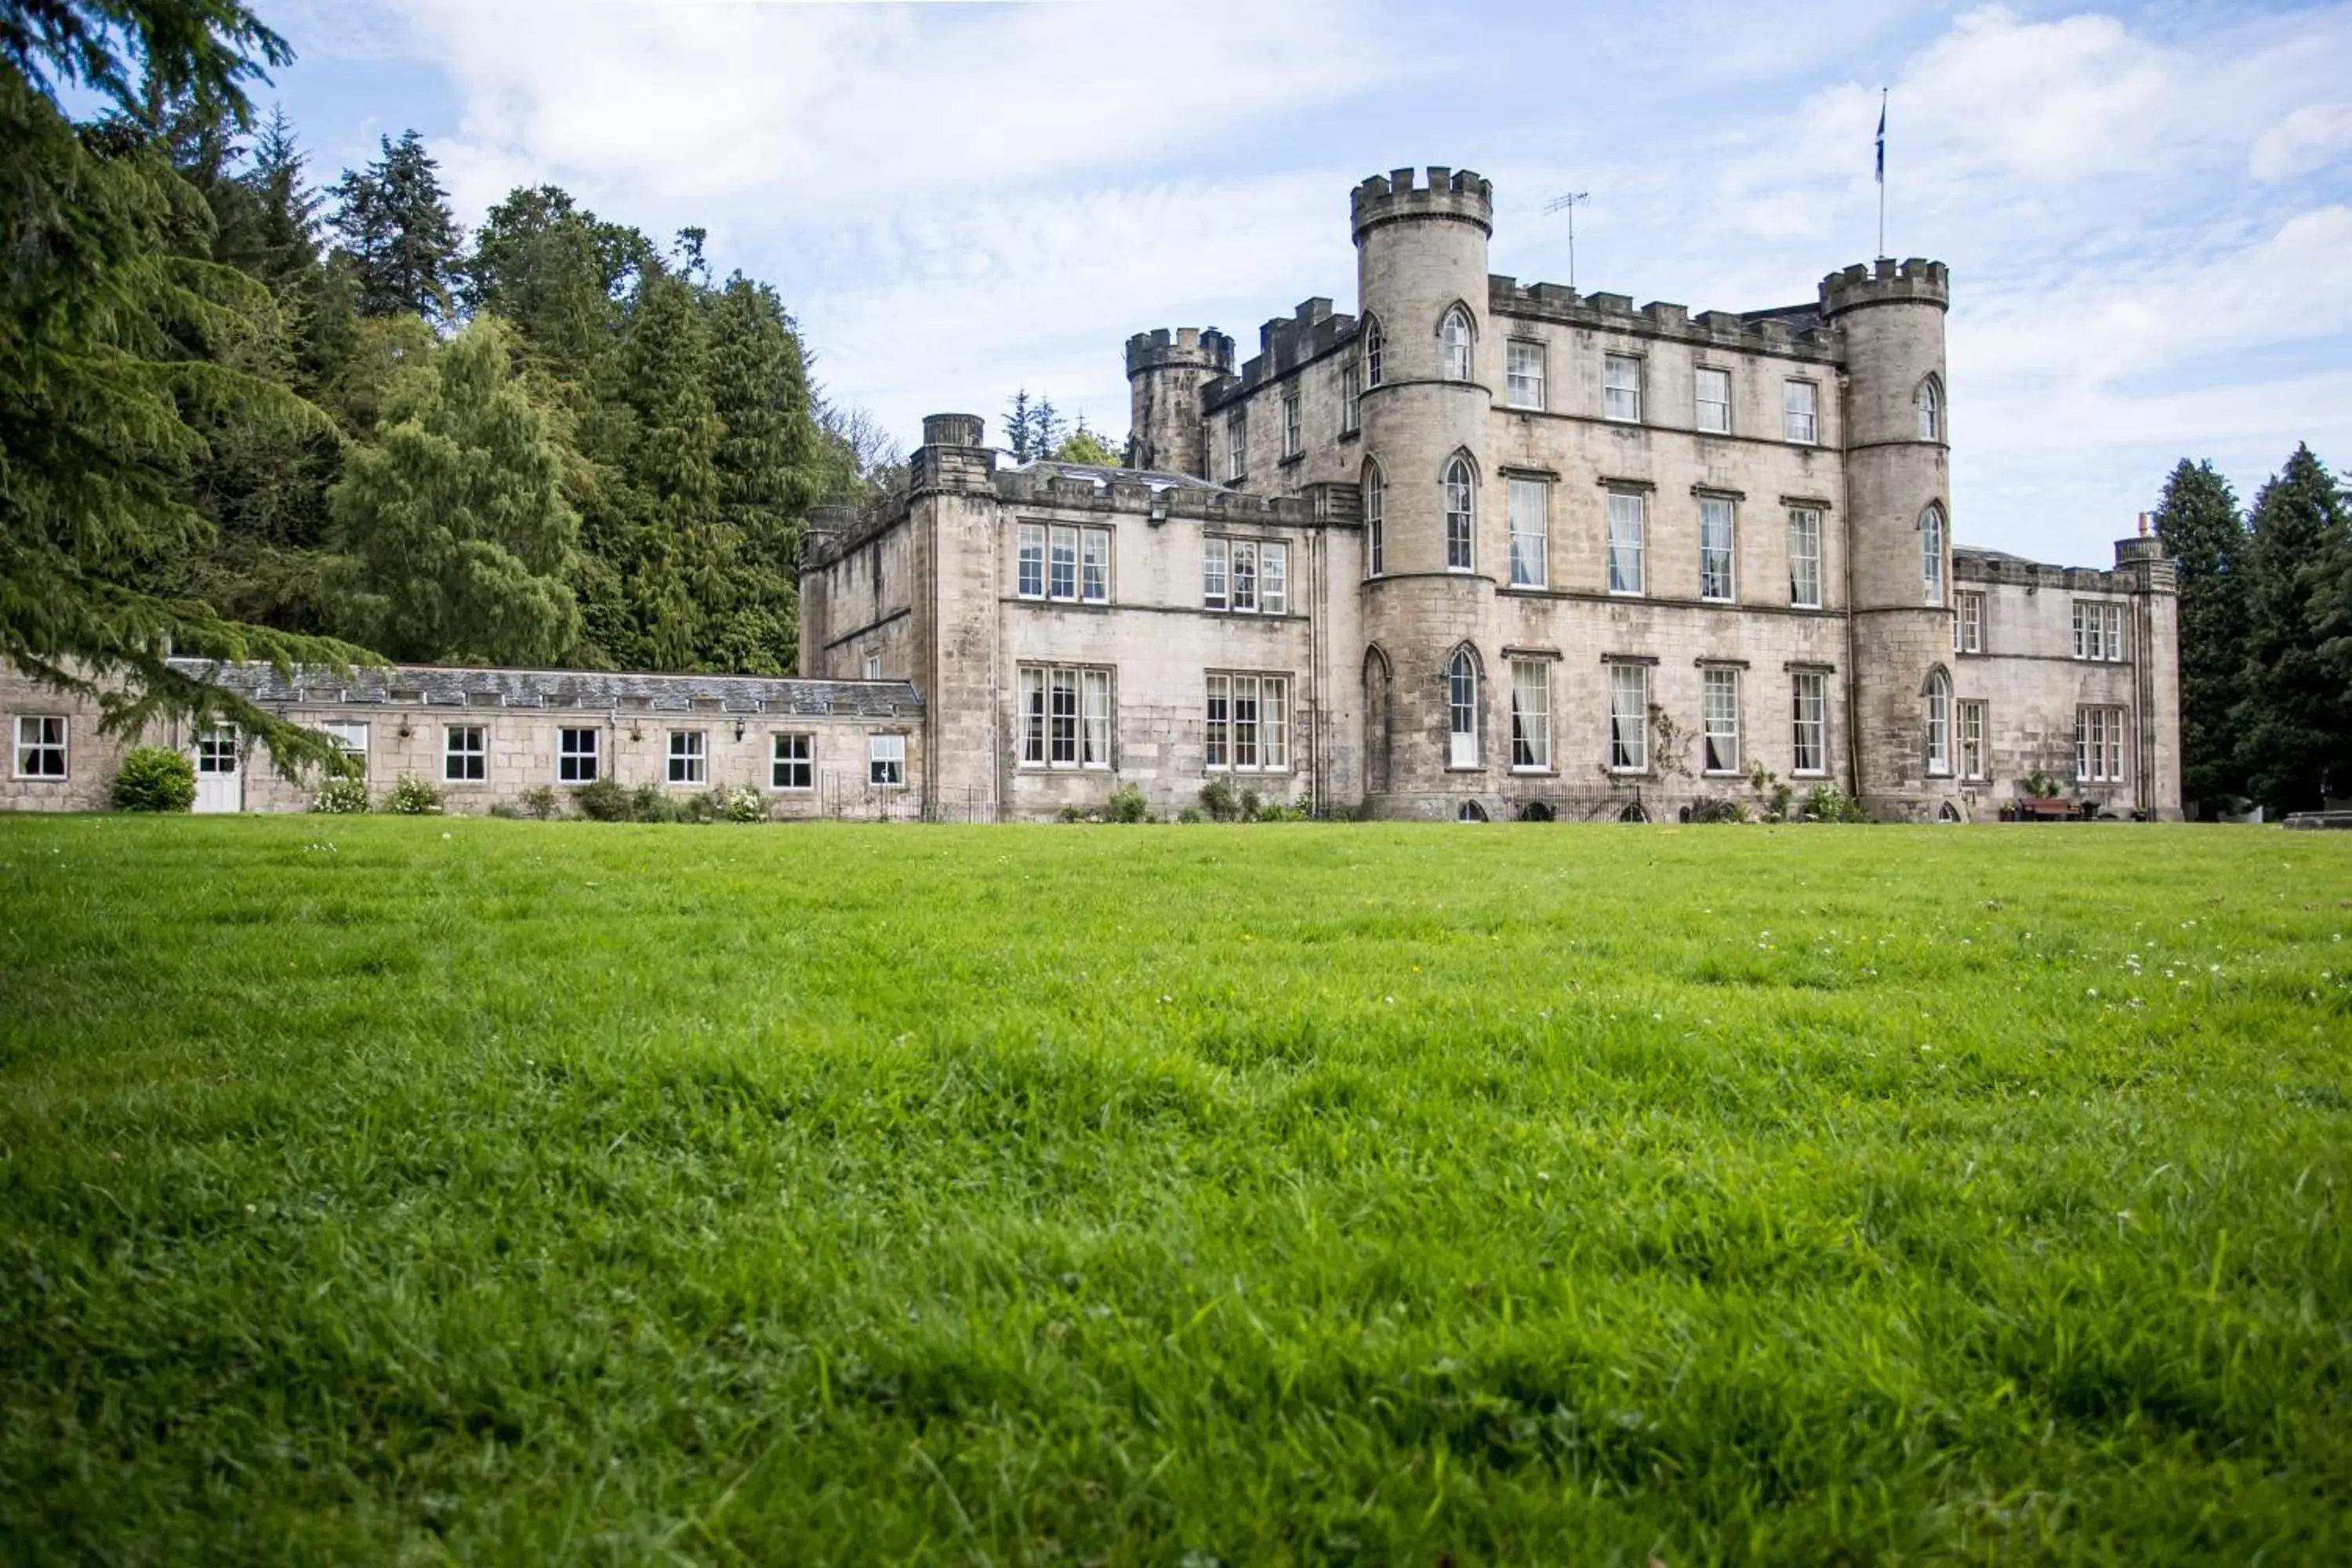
<point>1882,174</point>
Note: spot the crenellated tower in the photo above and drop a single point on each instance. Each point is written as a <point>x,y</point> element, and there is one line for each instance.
<point>1898,532</point>
<point>1165,372</point>
<point>1420,258</point>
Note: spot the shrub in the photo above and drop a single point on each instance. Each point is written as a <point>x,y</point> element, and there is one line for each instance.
<point>648,804</point>
<point>1275,811</point>
<point>1217,802</point>
<point>510,811</point>
<point>340,797</point>
<point>412,796</point>
<point>2038,785</point>
<point>1827,803</point>
<point>1127,804</point>
<point>744,805</point>
<point>603,801</point>
<point>542,802</point>
<point>1191,813</point>
<point>1714,808</point>
<point>155,778</point>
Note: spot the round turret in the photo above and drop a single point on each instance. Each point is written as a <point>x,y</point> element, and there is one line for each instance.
<point>1165,372</point>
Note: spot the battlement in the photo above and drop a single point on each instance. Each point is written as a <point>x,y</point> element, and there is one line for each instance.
<point>1285,343</point>
<point>1915,281</point>
<point>1194,347</point>
<point>1794,333</point>
<point>1462,196</point>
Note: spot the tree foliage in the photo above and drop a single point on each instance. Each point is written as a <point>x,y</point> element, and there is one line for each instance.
<point>397,230</point>
<point>2294,719</point>
<point>2203,531</point>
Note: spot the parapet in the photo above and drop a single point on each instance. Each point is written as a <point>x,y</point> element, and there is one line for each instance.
<point>1195,347</point>
<point>1791,331</point>
<point>1462,196</point>
<point>950,457</point>
<point>1912,282</point>
<point>951,430</point>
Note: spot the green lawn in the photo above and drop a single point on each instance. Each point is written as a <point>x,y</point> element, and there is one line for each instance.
<point>409,1191</point>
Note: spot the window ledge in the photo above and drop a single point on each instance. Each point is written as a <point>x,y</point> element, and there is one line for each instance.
<point>1472,768</point>
<point>1633,773</point>
<point>1351,435</point>
<point>1721,773</point>
<point>1534,772</point>
<point>1809,773</point>
<point>1290,461</point>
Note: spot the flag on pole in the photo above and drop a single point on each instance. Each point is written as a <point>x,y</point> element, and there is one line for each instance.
<point>1881,136</point>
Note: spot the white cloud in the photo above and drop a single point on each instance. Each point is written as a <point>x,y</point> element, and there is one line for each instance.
<point>2310,139</point>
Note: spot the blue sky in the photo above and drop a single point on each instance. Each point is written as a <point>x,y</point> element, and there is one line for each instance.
<point>2147,211</point>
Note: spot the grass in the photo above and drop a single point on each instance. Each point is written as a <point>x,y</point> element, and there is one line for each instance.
<point>423,1191</point>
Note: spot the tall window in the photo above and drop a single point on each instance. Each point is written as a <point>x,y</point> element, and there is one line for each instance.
<point>687,760</point>
<point>1529,503</point>
<point>1939,723</point>
<point>1800,412</point>
<point>791,763</point>
<point>1931,554</point>
<point>874,666</point>
<point>1629,718</point>
<point>1236,444</point>
<point>465,754</point>
<point>1031,580</point>
<point>577,755</point>
<point>1462,709</point>
<point>1461,515</point>
<point>885,760</point>
<point>1244,553</point>
<point>1812,749</point>
<point>1453,334</point>
<point>1972,739</point>
<point>1246,577</point>
<point>2098,630</point>
<point>1721,715</point>
<point>1805,558</point>
<point>2099,745</point>
<point>1931,410</point>
<point>1292,444</point>
<point>1970,629</point>
<point>1620,387</point>
<point>1375,494</point>
<point>40,746</point>
<point>1351,397</point>
<point>1214,556</point>
<point>1714,401</point>
<point>1715,546</point>
<point>1274,579</point>
<point>1094,565</point>
<point>1374,342</point>
<point>1523,385</point>
<point>1624,543</point>
<point>1531,713</point>
<point>1065,717</point>
<point>1062,578</point>
<point>1248,723</point>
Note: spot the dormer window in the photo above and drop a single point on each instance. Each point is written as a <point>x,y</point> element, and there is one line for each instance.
<point>1453,334</point>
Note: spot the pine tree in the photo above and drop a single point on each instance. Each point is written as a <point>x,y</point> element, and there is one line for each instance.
<point>1016,427</point>
<point>398,231</point>
<point>769,472</point>
<point>556,272</point>
<point>2294,722</point>
<point>455,517</point>
<point>2202,531</point>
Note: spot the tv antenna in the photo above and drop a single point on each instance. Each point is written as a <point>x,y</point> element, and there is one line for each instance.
<point>1567,204</point>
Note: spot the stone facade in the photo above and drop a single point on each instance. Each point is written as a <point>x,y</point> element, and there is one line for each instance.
<point>516,722</point>
<point>1784,588</point>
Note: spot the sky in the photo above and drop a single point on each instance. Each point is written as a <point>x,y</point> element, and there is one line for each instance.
<point>2147,211</point>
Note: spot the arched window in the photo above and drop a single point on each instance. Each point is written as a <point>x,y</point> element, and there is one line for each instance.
<point>1470,811</point>
<point>1375,496</point>
<point>1376,721</point>
<point>1453,334</point>
<point>1939,724</point>
<point>1461,515</point>
<point>1462,709</point>
<point>1931,410</point>
<point>1931,554</point>
<point>1373,343</point>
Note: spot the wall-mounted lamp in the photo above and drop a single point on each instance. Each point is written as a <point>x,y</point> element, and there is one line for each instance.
<point>738,729</point>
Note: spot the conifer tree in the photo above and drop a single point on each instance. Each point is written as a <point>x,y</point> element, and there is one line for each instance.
<point>768,474</point>
<point>455,517</point>
<point>398,231</point>
<point>2294,722</point>
<point>556,271</point>
<point>2202,531</point>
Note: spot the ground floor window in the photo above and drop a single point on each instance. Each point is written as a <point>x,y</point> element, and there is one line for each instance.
<point>1629,718</point>
<point>1972,739</point>
<point>1811,739</point>
<point>1065,717</point>
<point>465,754</point>
<point>2099,745</point>
<point>793,764</point>
<point>685,756</point>
<point>216,749</point>
<point>1248,723</point>
<point>885,760</point>
<point>40,746</point>
<point>1721,715</point>
<point>576,757</point>
<point>1531,713</point>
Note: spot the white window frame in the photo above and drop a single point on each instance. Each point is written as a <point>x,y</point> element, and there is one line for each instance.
<point>886,761</point>
<point>1293,444</point>
<point>1968,629</point>
<point>351,738</point>
<point>1062,564</point>
<point>1932,530</point>
<point>791,761</point>
<point>1523,377</point>
<point>873,667</point>
<point>1629,734</point>
<point>574,765</point>
<point>1462,709</point>
<point>687,758</point>
<point>1628,564</point>
<point>1029,574</point>
<point>1458,339</point>
<point>468,763</point>
<point>2099,630</point>
<point>1246,725</point>
<point>35,745</point>
<point>1460,491</point>
<point>1809,724</point>
<point>218,750</point>
<point>1216,574</point>
<point>1937,702</point>
<point>1931,409</point>
<point>1718,566</point>
<point>2098,744</point>
<point>1719,720</point>
<point>1242,599</point>
<point>1801,412</point>
<point>1805,557</point>
<point>1531,715</point>
<point>1975,726</point>
<point>1620,387</point>
<point>1374,345</point>
<point>1351,397</point>
<point>1720,423</point>
<point>1236,444</point>
<point>1375,499</point>
<point>1528,505</point>
<point>1094,565</point>
<point>1272,578</point>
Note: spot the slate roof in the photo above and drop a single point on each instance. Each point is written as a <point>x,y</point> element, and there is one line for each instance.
<point>448,686</point>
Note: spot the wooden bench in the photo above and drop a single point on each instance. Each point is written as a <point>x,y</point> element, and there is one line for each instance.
<point>2045,808</point>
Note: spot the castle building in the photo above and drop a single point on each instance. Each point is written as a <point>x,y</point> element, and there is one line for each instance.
<point>1485,551</point>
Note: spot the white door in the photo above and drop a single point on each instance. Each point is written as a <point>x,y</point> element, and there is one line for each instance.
<point>220,785</point>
